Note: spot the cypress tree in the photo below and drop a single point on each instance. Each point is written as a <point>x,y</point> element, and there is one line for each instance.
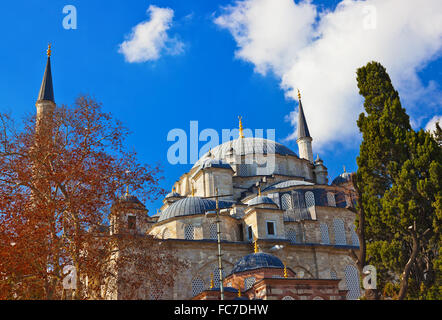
<point>398,178</point>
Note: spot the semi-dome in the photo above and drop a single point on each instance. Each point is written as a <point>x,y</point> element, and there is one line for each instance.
<point>191,206</point>
<point>261,200</point>
<point>173,195</point>
<point>257,261</point>
<point>343,178</point>
<point>288,184</point>
<point>215,163</point>
<point>246,146</point>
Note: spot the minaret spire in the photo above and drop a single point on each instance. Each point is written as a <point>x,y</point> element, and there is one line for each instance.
<point>303,131</point>
<point>46,89</point>
<point>304,138</point>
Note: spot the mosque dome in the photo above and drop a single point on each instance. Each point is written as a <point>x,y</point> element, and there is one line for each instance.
<point>191,206</point>
<point>261,200</point>
<point>257,261</point>
<point>343,178</point>
<point>246,146</point>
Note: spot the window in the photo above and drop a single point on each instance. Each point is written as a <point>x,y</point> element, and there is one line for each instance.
<point>354,237</point>
<point>197,286</point>
<point>291,235</point>
<point>340,237</point>
<point>250,233</point>
<point>216,276</point>
<point>131,222</point>
<point>286,202</point>
<point>309,199</point>
<point>213,232</point>
<point>325,239</point>
<point>241,232</point>
<point>271,228</point>
<point>352,281</point>
<point>249,282</point>
<point>331,199</point>
<point>189,232</point>
<point>333,275</point>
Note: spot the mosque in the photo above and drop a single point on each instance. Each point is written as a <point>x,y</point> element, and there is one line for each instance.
<point>253,219</point>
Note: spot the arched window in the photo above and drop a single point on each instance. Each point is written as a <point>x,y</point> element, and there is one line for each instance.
<point>249,282</point>
<point>213,232</point>
<point>309,199</point>
<point>354,237</point>
<point>325,238</point>
<point>333,275</point>
<point>318,298</point>
<point>352,281</point>
<point>197,286</point>
<point>331,199</point>
<point>288,298</point>
<point>310,203</point>
<point>340,237</point>
<point>189,232</point>
<point>286,202</point>
<point>291,235</point>
<point>216,276</point>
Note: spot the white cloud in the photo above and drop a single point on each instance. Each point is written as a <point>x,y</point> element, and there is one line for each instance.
<point>431,125</point>
<point>149,39</point>
<point>319,53</point>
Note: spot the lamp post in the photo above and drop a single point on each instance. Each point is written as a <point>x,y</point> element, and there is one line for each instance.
<point>218,229</point>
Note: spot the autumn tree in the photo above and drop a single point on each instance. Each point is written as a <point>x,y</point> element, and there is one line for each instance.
<point>398,180</point>
<point>59,177</point>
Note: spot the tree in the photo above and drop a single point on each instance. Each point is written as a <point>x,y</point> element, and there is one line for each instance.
<point>57,184</point>
<point>399,174</point>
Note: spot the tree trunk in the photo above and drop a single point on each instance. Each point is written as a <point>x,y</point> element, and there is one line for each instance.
<point>407,269</point>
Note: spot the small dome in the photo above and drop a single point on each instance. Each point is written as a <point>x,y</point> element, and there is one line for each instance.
<point>215,163</point>
<point>173,195</point>
<point>261,200</point>
<point>257,261</point>
<point>191,206</point>
<point>343,178</point>
<point>128,198</point>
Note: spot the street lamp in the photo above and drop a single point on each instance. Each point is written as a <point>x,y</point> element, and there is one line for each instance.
<point>218,229</point>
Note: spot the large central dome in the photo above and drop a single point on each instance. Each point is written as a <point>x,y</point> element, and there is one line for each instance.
<point>246,146</point>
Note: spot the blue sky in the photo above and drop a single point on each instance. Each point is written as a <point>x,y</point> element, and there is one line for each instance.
<point>222,68</point>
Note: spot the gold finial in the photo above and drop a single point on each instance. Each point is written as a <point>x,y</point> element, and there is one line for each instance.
<point>256,246</point>
<point>345,169</point>
<point>241,129</point>
<point>49,52</point>
<point>239,291</point>
<point>285,271</point>
<point>127,191</point>
<point>212,283</point>
<point>299,95</point>
<point>259,191</point>
<point>193,190</point>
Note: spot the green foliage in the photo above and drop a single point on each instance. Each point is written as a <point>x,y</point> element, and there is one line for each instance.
<point>399,177</point>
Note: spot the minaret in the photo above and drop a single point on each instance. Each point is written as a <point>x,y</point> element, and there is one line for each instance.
<point>304,139</point>
<point>45,102</point>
